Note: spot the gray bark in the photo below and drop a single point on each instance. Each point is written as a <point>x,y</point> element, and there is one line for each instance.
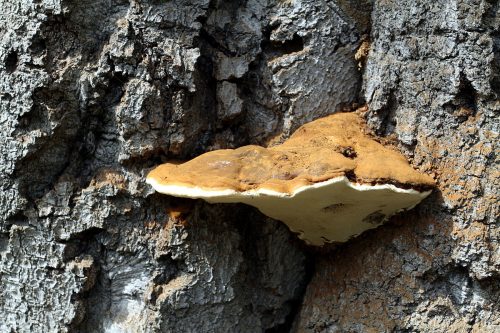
<point>94,93</point>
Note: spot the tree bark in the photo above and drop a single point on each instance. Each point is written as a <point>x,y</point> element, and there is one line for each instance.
<point>95,93</point>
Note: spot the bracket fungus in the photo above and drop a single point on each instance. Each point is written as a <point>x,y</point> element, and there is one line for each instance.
<point>328,182</point>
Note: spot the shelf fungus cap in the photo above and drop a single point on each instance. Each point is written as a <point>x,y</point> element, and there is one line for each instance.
<point>328,182</point>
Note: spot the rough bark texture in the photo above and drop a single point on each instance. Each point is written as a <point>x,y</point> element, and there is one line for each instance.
<point>93,93</point>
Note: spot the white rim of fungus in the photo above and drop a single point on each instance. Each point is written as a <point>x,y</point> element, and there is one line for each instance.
<point>195,192</point>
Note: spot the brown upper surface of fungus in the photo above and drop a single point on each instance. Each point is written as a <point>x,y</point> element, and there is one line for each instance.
<point>329,147</point>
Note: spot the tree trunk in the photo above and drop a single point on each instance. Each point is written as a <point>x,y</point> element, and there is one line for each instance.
<point>94,93</point>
